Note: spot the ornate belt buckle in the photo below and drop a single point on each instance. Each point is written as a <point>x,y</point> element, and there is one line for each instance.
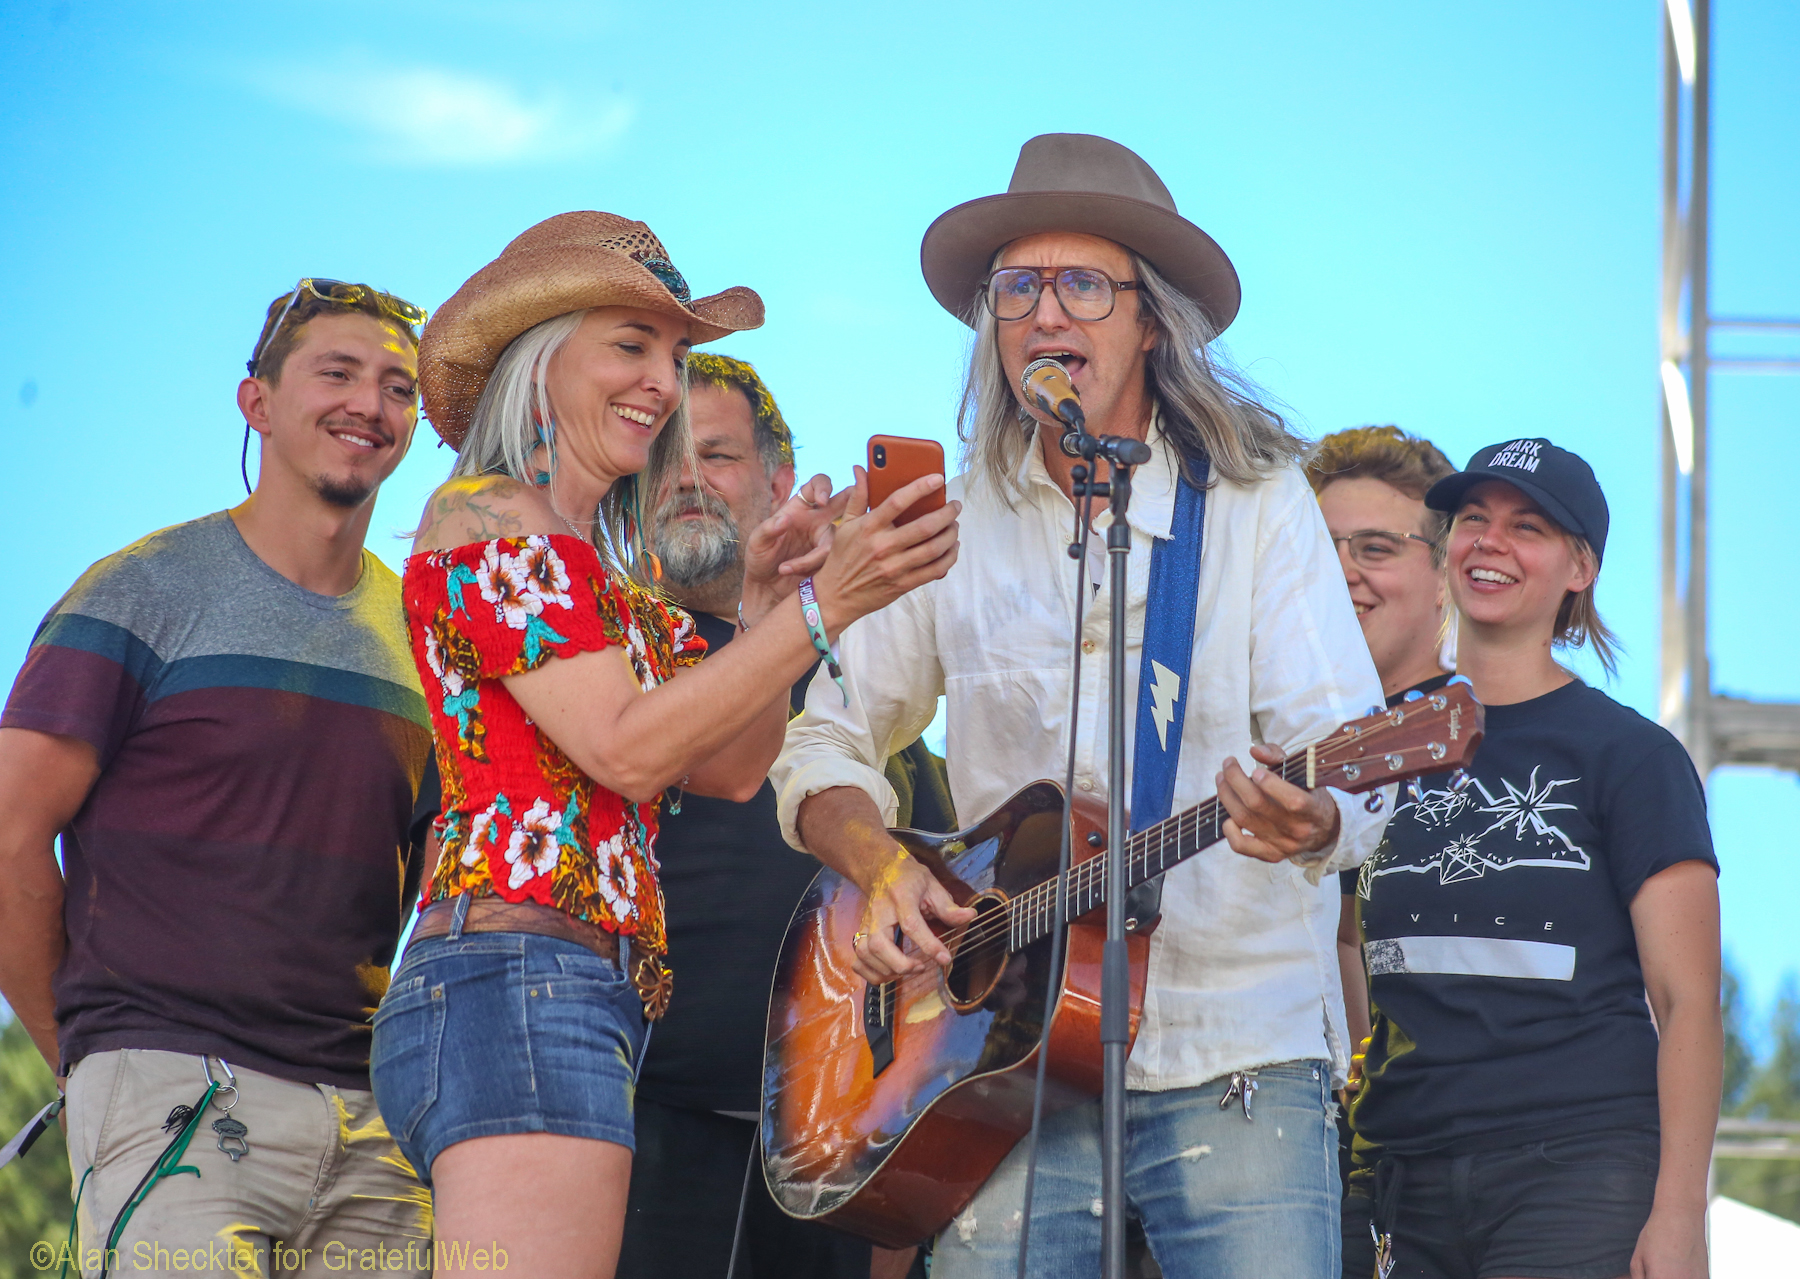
<point>654,982</point>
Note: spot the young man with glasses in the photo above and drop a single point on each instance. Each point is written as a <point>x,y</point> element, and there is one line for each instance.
<point>1371,482</point>
<point>224,725</point>
<point>1229,1162</point>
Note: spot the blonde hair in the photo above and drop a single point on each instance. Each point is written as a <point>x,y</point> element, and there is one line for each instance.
<point>1405,462</point>
<point>504,432</point>
<point>1578,622</point>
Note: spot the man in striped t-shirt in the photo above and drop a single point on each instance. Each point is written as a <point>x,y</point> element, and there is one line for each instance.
<point>223,723</point>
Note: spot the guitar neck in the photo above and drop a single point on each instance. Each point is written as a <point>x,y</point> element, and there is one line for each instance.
<point>1148,853</point>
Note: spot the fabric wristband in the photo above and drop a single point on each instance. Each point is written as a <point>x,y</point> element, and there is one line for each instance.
<point>815,626</point>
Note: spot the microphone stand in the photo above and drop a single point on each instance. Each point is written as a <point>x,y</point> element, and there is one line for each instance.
<point>1123,455</point>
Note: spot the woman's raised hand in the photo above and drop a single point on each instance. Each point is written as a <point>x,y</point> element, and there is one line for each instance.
<point>789,545</point>
<point>872,561</point>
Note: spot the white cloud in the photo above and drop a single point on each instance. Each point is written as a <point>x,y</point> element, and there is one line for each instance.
<point>436,116</point>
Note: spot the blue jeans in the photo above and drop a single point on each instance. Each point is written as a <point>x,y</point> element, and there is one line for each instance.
<point>482,1034</point>
<point>1219,1196</point>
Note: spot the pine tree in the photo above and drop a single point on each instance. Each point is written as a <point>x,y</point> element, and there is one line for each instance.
<point>1768,1090</point>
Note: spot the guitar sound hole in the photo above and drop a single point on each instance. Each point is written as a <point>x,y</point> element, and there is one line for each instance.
<point>980,954</point>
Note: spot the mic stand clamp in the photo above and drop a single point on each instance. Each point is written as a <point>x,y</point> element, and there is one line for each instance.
<point>1115,966</point>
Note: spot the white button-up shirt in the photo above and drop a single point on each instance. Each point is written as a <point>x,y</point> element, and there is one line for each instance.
<point>1243,968</point>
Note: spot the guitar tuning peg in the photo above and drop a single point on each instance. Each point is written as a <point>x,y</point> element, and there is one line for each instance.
<point>1412,790</point>
<point>1462,679</point>
<point>1412,695</point>
<point>1376,710</point>
<point>1459,781</point>
<point>1373,802</point>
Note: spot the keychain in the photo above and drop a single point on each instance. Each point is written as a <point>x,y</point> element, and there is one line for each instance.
<point>232,1132</point>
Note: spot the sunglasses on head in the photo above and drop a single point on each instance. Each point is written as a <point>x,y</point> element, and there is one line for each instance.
<point>341,291</point>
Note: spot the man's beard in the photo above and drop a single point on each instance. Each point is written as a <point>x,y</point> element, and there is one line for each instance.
<point>695,552</point>
<point>347,494</point>
<point>350,492</point>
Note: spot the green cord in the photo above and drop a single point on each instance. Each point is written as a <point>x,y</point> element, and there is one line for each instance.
<point>74,1215</point>
<point>168,1164</point>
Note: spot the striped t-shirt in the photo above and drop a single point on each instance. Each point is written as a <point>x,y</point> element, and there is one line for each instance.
<point>234,879</point>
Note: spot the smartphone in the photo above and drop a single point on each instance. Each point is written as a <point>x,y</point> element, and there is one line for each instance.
<point>896,461</point>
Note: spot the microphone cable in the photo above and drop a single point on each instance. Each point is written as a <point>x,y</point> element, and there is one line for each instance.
<point>1078,549</point>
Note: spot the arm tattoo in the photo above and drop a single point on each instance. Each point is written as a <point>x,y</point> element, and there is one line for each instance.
<point>480,508</point>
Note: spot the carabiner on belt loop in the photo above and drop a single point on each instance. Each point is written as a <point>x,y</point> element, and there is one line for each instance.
<point>230,1084</point>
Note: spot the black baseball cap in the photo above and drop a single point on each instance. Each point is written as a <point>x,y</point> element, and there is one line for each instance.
<point>1554,478</point>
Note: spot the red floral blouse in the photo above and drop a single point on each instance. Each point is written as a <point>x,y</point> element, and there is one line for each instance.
<point>520,821</point>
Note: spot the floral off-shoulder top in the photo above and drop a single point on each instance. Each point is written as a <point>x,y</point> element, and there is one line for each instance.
<point>520,821</point>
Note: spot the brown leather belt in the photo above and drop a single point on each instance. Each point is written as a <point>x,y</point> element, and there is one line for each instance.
<point>649,975</point>
<point>492,915</point>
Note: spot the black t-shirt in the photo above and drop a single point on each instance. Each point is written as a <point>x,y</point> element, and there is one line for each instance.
<point>1508,999</point>
<point>730,884</point>
<point>1347,878</point>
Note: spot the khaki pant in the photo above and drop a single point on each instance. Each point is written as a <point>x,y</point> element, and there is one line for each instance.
<point>323,1190</point>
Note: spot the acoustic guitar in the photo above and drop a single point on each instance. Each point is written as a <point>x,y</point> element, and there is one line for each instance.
<point>886,1107</point>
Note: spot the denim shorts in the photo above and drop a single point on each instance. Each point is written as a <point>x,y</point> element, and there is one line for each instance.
<point>490,1033</point>
<point>1565,1208</point>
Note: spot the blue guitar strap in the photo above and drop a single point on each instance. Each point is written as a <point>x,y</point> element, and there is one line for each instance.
<point>1174,598</point>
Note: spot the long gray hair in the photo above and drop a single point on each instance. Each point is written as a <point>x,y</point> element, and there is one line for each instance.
<point>1204,406</point>
<point>504,433</point>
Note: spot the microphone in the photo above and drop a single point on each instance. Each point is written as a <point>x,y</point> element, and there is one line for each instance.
<point>1046,383</point>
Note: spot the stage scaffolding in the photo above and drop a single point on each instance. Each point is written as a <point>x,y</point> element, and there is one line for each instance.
<point>1716,729</point>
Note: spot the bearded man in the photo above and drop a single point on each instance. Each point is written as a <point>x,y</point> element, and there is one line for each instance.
<point>729,886</point>
<point>1230,1161</point>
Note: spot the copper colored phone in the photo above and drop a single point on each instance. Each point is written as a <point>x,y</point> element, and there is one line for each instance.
<point>896,461</point>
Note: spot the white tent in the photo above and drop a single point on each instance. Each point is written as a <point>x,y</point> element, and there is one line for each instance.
<point>1748,1243</point>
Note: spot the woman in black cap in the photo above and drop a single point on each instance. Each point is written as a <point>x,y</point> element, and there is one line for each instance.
<point>1520,1116</point>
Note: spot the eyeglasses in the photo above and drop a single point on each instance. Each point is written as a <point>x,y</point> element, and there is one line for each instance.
<point>339,291</point>
<point>1085,293</point>
<point>1377,548</point>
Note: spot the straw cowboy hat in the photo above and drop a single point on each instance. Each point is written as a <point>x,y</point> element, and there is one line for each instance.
<point>1077,182</point>
<point>566,263</point>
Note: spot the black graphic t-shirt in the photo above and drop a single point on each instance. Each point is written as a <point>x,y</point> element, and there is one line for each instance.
<point>1508,1002</point>
<point>1347,878</point>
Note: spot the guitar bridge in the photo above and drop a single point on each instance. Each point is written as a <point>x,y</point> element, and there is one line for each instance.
<point>879,1004</point>
<point>878,1024</point>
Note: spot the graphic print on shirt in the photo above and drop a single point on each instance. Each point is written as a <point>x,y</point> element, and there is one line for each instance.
<point>1536,840</point>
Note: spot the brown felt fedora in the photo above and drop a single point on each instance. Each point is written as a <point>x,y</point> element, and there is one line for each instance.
<point>1077,182</point>
<point>566,263</point>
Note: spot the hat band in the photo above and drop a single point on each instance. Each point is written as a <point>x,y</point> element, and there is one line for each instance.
<point>664,270</point>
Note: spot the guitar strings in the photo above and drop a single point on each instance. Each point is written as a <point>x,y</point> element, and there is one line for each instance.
<point>1036,906</point>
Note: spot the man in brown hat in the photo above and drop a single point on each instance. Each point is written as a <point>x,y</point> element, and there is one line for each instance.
<point>1230,1147</point>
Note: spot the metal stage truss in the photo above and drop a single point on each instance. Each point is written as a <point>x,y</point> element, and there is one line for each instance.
<point>1716,729</point>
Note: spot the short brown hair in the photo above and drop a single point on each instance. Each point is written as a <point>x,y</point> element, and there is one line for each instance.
<point>1409,463</point>
<point>310,306</point>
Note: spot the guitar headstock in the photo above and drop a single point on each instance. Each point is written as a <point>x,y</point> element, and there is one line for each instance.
<point>1428,734</point>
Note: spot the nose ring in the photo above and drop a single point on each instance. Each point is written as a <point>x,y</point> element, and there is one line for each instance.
<point>1477,545</point>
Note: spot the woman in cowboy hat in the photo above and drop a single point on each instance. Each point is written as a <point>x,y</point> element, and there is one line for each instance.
<point>506,1046</point>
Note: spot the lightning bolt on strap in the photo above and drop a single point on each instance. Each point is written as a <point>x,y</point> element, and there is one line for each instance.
<point>1164,689</point>
<point>1168,653</point>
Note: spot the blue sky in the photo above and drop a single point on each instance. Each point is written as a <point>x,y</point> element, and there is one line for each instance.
<point>1444,216</point>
